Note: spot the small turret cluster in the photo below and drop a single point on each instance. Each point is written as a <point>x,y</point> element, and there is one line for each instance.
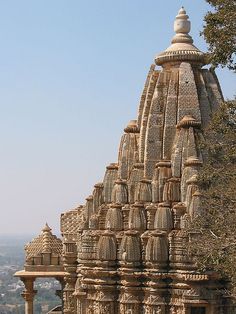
<point>44,251</point>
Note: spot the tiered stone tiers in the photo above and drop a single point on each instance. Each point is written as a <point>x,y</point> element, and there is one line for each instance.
<point>125,250</point>
<point>131,236</point>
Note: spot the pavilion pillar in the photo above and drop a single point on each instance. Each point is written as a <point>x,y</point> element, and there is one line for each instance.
<point>28,294</point>
<point>59,293</point>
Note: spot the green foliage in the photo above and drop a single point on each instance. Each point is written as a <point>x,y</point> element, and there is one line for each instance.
<point>216,247</point>
<point>220,32</point>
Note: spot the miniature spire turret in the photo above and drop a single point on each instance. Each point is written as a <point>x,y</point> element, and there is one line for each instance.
<point>45,249</point>
<point>46,228</point>
<point>46,231</point>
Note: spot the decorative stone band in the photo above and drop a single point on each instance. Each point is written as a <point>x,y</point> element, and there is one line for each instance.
<point>192,161</point>
<point>180,56</point>
<point>139,165</point>
<point>112,166</point>
<point>163,163</point>
<point>89,198</point>
<point>187,122</point>
<point>132,127</point>
<point>192,276</point>
<point>99,185</point>
<point>121,182</point>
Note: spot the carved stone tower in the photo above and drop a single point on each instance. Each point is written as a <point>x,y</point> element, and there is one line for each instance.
<point>125,250</point>
<point>131,233</point>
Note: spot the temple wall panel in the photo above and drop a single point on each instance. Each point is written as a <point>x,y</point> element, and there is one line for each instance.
<point>145,114</point>
<point>188,103</point>
<point>170,114</point>
<point>155,125</point>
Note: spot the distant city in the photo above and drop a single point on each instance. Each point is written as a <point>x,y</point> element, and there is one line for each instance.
<point>11,260</point>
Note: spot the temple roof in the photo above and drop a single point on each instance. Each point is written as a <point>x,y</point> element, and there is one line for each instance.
<point>182,48</point>
<point>46,242</point>
<point>43,256</point>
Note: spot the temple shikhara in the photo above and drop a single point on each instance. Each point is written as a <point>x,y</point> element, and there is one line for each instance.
<point>126,250</point>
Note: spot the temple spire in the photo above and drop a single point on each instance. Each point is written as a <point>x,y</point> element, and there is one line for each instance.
<point>46,238</point>
<point>181,48</point>
<point>182,27</point>
<point>46,228</point>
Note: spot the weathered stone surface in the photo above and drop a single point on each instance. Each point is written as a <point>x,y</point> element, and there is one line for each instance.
<point>145,113</point>
<point>155,125</point>
<point>188,103</point>
<point>171,114</point>
<point>125,250</point>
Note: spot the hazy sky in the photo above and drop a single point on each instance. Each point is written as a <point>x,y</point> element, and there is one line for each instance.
<point>71,74</point>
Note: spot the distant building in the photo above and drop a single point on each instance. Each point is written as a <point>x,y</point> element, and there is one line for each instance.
<point>124,251</point>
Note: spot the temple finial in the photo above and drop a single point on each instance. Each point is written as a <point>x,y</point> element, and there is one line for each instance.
<point>182,27</point>
<point>181,48</point>
<point>46,228</point>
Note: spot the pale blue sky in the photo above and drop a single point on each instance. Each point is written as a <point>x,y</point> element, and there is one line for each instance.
<point>71,74</point>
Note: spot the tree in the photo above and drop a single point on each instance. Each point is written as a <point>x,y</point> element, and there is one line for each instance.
<point>220,32</point>
<point>216,249</point>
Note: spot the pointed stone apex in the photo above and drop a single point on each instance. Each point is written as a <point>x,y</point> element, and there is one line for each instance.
<point>181,11</point>
<point>46,228</point>
<point>181,48</point>
<point>182,27</point>
<point>45,242</point>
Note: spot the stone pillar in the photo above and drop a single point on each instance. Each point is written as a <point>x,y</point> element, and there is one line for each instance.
<point>59,293</point>
<point>28,294</point>
<point>81,301</point>
<point>70,265</point>
<point>87,257</point>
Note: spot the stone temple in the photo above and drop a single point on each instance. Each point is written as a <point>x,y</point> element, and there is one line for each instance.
<point>126,250</point>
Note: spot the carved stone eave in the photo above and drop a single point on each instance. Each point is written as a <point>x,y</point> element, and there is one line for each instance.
<point>191,56</point>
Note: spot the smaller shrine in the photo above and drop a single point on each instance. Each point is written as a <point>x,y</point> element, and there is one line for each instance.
<point>43,260</point>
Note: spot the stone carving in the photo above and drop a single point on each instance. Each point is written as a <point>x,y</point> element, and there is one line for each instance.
<point>125,250</point>
<point>149,309</point>
<point>129,308</point>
